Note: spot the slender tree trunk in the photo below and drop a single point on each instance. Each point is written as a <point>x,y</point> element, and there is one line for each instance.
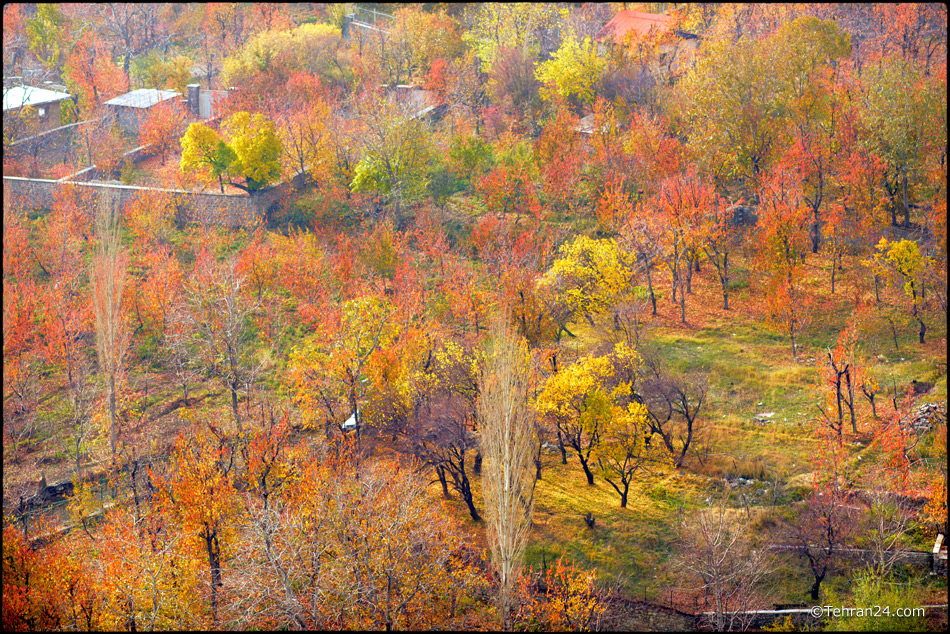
<point>906,205</point>
<point>587,471</point>
<point>113,421</point>
<point>682,306</point>
<point>234,407</point>
<point>440,472</point>
<point>724,278</point>
<point>214,561</point>
<point>650,287</point>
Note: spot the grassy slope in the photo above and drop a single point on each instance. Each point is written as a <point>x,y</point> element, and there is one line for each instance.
<point>751,370</point>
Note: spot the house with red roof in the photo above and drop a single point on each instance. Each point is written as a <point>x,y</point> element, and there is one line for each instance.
<point>640,23</point>
<point>630,25</point>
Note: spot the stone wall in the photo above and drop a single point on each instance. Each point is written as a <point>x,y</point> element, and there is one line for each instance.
<point>59,140</point>
<point>640,616</point>
<point>227,210</point>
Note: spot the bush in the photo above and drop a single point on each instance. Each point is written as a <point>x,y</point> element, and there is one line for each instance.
<point>872,599</point>
<point>127,175</point>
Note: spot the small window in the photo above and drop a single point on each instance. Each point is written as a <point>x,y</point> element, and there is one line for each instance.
<point>42,112</point>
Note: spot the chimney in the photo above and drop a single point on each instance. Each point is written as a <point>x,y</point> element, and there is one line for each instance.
<point>193,91</point>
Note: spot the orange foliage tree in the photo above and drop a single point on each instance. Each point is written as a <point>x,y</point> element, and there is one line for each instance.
<point>162,127</point>
<point>199,494</point>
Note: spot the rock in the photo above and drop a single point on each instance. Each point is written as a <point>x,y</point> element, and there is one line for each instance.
<point>925,416</point>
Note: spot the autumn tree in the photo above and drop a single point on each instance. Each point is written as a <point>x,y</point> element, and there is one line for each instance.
<point>674,404</point>
<point>729,102</point>
<point>513,86</point>
<point>520,25</point>
<point>809,50</point>
<point>328,369</point>
<point>47,33</point>
<point>573,72</point>
<point>589,276</point>
<point>507,445</point>
<point>397,149</point>
<point>257,150</point>
<point>895,111</point>
<point>21,368</point>
<point>904,259</point>
<point>683,200</point>
<point>271,57</point>
<point>66,317</point>
<point>720,234</point>
<point>157,71</point>
<point>627,450</point>
<point>199,493</point>
<point>466,86</point>
<point>146,575</point>
<point>108,276</point>
<point>783,238</point>
<point>562,597</point>
<point>826,522</point>
<point>841,373</point>
<point>90,73</point>
<point>204,155</point>
<point>304,136</point>
<point>161,126</point>
<point>130,25</point>
<point>46,587</point>
<point>443,422</point>
<point>580,400</point>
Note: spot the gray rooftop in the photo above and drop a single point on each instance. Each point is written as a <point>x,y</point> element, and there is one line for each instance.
<point>18,96</point>
<point>142,98</point>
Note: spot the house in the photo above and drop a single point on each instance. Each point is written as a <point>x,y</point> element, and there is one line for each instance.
<point>44,106</point>
<point>129,109</point>
<point>636,24</point>
<point>202,103</point>
<point>640,23</point>
<point>350,423</point>
<point>940,556</point>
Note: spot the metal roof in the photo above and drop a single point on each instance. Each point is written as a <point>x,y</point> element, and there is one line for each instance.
<point>18,96</point>
<point>142,98</point>
<point>637,21</point>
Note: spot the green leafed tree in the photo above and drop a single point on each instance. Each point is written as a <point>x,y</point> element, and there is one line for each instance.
<point>897,110</point>
<point>573,71</point>
<point>45,33</point>
<point>521,25</point>
<point>396,154</point>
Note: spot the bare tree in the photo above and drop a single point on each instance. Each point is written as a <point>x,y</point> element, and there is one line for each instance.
<point>507,443</point>
<point>212,323</point>
<point>443,438</point>
<point>887,521</point>
<point>674,404</point>
<point>108,286</point>
<point>821,531</point>
<point>718,551</point>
